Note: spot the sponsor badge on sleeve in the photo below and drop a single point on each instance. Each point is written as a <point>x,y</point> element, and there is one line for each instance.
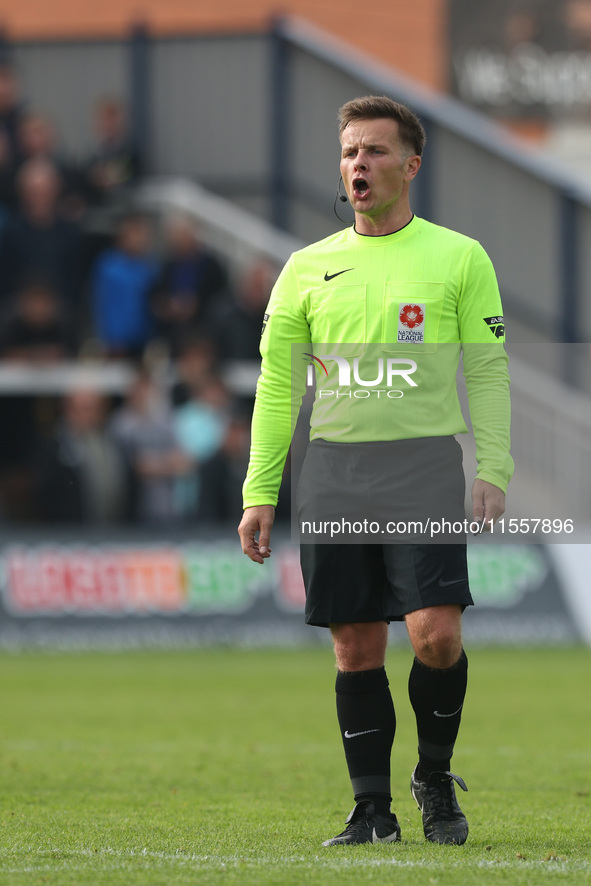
<point>496,325</point>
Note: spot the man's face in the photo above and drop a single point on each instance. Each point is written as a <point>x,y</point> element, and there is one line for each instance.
<point>85,411</point>
<point>39,187</point>
<point>375,166</point>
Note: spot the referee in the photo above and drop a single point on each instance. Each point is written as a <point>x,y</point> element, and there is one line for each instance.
<point>418,295</point>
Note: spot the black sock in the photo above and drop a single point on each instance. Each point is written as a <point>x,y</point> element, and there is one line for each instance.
<point>368,723</point>
<point>437,697</point>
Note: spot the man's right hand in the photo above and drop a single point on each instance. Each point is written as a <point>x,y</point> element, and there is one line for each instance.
<point>258,519</point>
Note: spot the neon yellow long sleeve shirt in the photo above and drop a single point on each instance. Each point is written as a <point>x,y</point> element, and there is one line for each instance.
<point>381,322</point>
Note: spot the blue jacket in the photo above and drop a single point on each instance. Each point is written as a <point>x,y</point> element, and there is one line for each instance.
<point>121,291</point>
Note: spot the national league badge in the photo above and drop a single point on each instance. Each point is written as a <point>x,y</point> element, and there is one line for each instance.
<point>411,323</point>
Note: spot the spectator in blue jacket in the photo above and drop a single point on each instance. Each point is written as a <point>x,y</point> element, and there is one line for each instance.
<point>121,283</point>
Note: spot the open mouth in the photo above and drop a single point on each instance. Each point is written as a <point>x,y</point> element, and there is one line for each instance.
<point>360,187</point>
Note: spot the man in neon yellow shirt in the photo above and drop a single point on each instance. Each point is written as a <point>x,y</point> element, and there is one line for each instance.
<point>411,295</point>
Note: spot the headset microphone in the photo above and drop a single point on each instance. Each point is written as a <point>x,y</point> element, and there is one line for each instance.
<point>340,197</point>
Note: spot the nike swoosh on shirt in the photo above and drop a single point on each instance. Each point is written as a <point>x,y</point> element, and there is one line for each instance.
<point>444,584</point>
<point>328,276</point>
<point>355,734</point>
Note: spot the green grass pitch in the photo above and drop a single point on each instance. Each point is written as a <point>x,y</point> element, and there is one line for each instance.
<point>225,767</point>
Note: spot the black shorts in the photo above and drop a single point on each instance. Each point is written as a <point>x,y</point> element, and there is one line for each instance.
<point>401,491</point>
<point>372,582</point>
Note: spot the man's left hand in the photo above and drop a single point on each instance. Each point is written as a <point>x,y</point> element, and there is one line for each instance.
<point>488,503</point>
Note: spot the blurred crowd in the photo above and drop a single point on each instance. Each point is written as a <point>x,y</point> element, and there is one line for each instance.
<point>173,447</point>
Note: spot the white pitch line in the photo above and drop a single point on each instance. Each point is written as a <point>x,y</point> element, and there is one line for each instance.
<point>318,861</point>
